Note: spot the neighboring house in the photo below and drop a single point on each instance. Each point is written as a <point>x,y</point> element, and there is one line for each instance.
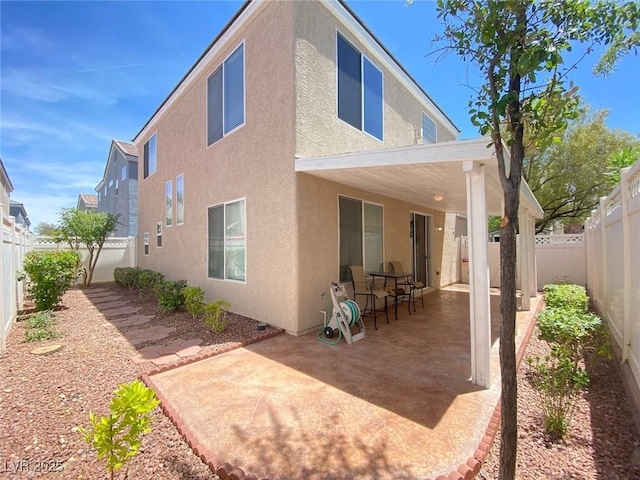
<point>18,211</point>
<point>6,188</point>
<point>297,146</point>
<point>118,191</point>
<point>87,202</point>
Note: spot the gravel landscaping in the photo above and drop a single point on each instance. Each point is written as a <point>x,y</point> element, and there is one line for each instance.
<point>602,434</point>
<point>43,398</point>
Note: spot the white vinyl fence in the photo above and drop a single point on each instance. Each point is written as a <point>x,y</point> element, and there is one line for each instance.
<point>14,244</point>
<point>558,257</point>
<point>613,264</point>
<point>116,252</point>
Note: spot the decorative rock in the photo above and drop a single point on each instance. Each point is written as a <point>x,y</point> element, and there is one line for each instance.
<point>46,350</point>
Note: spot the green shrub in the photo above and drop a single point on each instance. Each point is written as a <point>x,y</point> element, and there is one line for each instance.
<point>215,315</point>
<point>50,274</point>
<point>40,326</point>
<point>117,436</point>
<point>194,300</point>
<point>148,281</point>
<point>575,331</point>
<point>558,382</point>
<point>568,296</point>
<point>128,277</point>
<point>170,294</point>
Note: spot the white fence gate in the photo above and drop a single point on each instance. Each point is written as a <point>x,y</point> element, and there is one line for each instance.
<point>14,244</point>
<point>558,257</point>
<point>613,265</point>
<point>116,252</point>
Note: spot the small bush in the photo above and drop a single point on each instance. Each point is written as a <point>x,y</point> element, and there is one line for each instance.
<point>117,436</point>
<point>194,300</point>
<point>128,277</point>
<point>50,274</point>
<point>576,331</point>
<point>215,315</point>
<point>170,294</point>
<point>40,326</point>
<point>148,281</point>
<point>567,296</point>
<point>558,382</point>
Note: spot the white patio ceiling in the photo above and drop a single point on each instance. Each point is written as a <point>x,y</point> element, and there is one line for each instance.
<point>416,173</point>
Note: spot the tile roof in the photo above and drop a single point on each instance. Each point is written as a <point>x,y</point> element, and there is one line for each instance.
<point>126,147</point>
<point>88,199</point>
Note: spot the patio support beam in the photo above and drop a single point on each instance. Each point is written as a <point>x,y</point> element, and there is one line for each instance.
<point>524,259</point>
<point>479,307</point>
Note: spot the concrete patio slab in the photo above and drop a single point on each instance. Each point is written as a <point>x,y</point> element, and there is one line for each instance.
<point>396,405</point>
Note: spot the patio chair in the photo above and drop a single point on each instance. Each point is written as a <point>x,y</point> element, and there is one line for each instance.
<point>413,285</point>
<point>364,288</point>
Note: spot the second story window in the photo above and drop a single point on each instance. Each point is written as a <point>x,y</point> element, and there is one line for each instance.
<point>225,97</point>
<point>117,185</point>
<point>429,129</point>
<point>360,89</point>
<point>150,159</point>
<point>123,173</point>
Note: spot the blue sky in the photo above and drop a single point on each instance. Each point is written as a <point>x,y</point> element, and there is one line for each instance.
<point>74,75</point>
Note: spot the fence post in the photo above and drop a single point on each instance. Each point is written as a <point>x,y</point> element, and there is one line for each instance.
<point>604,284</point>
<point>3,342</point>
<point>626,243</point>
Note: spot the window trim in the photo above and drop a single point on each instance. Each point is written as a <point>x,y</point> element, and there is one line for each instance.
<point>435,126</point>
<point>244,94</point>
<point>154,135</point>
<point>145,243</point>
<point>381,205</point>
<point>123,170</point>
<point>246,246</point>
<point>362,57</point>
<point>168,211</point>
<point>183,209</point>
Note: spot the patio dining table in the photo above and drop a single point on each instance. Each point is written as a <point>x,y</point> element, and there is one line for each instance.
<point>395,277</point>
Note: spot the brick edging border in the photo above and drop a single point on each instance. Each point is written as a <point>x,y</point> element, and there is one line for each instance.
<point>224,470</point>
<point>469,470</point>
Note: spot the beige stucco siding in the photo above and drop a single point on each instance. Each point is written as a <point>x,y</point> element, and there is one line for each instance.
<point>318,238</point>
<point>254,162</point>
<point>319,130</point>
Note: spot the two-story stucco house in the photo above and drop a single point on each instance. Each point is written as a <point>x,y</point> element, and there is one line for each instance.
<point>297,146</point>
<point>117,192</point>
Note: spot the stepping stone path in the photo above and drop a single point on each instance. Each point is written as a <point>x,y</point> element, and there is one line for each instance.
<point>173,351</point>
<point>116,312</point>
<point>120,314</point>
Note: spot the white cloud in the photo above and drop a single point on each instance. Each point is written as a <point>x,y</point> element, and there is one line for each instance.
<point>42,87</point>
<point>45,207</point>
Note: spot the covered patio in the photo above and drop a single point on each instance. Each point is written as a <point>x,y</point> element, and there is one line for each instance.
<point>396,405</point>
<point>452,177</point>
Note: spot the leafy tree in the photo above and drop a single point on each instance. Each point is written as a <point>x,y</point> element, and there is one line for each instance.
<point>518,47</point>
<point>569,177</point>
<point>46,229</point>
<point>78,227</point>
<point>625,157</point>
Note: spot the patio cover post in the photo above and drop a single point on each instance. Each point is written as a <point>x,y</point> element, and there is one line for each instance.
<point>524,258</point>
<point>532,256</point>
<point>479,308</point>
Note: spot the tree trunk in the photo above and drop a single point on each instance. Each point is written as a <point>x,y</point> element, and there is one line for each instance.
<point>508,307</point>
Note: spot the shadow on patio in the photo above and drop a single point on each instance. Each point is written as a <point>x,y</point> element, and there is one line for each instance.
<point>398,404</point>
